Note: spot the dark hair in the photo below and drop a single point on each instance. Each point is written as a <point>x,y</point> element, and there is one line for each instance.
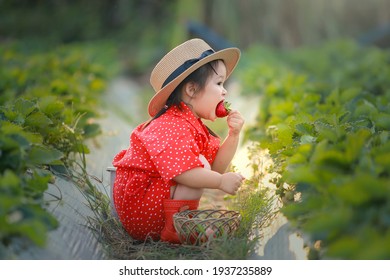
<point>199,77</point>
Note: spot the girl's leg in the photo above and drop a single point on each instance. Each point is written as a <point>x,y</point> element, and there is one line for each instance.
<point>182,198</point>
<point>182,192</point>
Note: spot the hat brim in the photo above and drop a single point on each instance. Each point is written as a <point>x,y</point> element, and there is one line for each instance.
<point>230,56</point>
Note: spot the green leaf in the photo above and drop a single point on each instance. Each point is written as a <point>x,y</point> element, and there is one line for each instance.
<point>345,247</point>
<point>327,155</point>
<point>351,193</point>
<point>343,116</point>
<point>10,183</point>
<point>332,158</point>
<point>328,223</point>
<point>12,116</point>
<point>384,137</point>
<point>33,229</point>
<point>365,108</point>
<point>20,140</point>
<point>349,94</point>
<point>382,121</point>
<point>25,107</point>
<point>305,149</point>
<point>11,154</point>
<point>355,143</point>
<point>36,185</point>
<point>305,129</point>
<point>38,120</point>
<point>81,148</point>
<point>39,155</point>
<point>326,132</point>
<point>383,160</point>
<point>92,130</point>
<point>9,127</point>
<point>8,203</point>
<point>51,106</point>
<point>284,134</point>
<point>300,174</point>
<point>59,86</point>
<point>33,138</point>
<point>307,139</point>
<point>297,158</point>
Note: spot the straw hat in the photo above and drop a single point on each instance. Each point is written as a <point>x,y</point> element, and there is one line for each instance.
<point>176,65</point>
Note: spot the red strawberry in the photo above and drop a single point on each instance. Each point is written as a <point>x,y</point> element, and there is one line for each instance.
<point>222,109</point>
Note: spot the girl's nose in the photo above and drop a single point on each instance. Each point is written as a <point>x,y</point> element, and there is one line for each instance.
<point>224,92</point>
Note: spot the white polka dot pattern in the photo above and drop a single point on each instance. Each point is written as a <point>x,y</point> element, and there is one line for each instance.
<point>167,147</point>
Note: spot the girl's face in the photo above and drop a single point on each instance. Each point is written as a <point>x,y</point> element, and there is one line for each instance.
<point>204,102</point>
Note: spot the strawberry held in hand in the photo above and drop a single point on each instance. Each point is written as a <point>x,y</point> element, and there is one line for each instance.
<point>222,109</point>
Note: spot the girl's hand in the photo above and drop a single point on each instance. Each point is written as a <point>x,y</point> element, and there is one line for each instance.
<point>231,182</point>
<point>235,122</point>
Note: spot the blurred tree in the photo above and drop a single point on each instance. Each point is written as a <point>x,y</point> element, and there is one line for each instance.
<point>283,23</point>
<point>291,23</point>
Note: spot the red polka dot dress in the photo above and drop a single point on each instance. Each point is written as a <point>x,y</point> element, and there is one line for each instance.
<point>167,147</point>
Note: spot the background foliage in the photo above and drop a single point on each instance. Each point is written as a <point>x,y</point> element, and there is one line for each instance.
<point>145,30</point>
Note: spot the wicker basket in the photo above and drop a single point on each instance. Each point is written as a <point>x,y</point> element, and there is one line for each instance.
<point>195,227</point>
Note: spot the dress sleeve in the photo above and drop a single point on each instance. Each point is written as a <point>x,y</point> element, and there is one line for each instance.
<point>173,152</point>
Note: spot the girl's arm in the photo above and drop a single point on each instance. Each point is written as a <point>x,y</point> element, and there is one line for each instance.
<point>200,177</point>
<point>229,146</point>
<point>225,154</point>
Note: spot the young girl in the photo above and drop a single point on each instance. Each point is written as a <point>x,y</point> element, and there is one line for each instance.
<point>174,156</point>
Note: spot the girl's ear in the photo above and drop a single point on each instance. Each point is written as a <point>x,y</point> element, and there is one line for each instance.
<point>190,89</point>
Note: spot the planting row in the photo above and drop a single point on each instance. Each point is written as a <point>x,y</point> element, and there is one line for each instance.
<point>48,104</point>
<point>324,117</point>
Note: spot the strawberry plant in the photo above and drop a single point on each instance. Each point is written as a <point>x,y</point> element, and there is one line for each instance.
<point>324,118</point>
<point>23,179</point>
<point>48,104</point>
